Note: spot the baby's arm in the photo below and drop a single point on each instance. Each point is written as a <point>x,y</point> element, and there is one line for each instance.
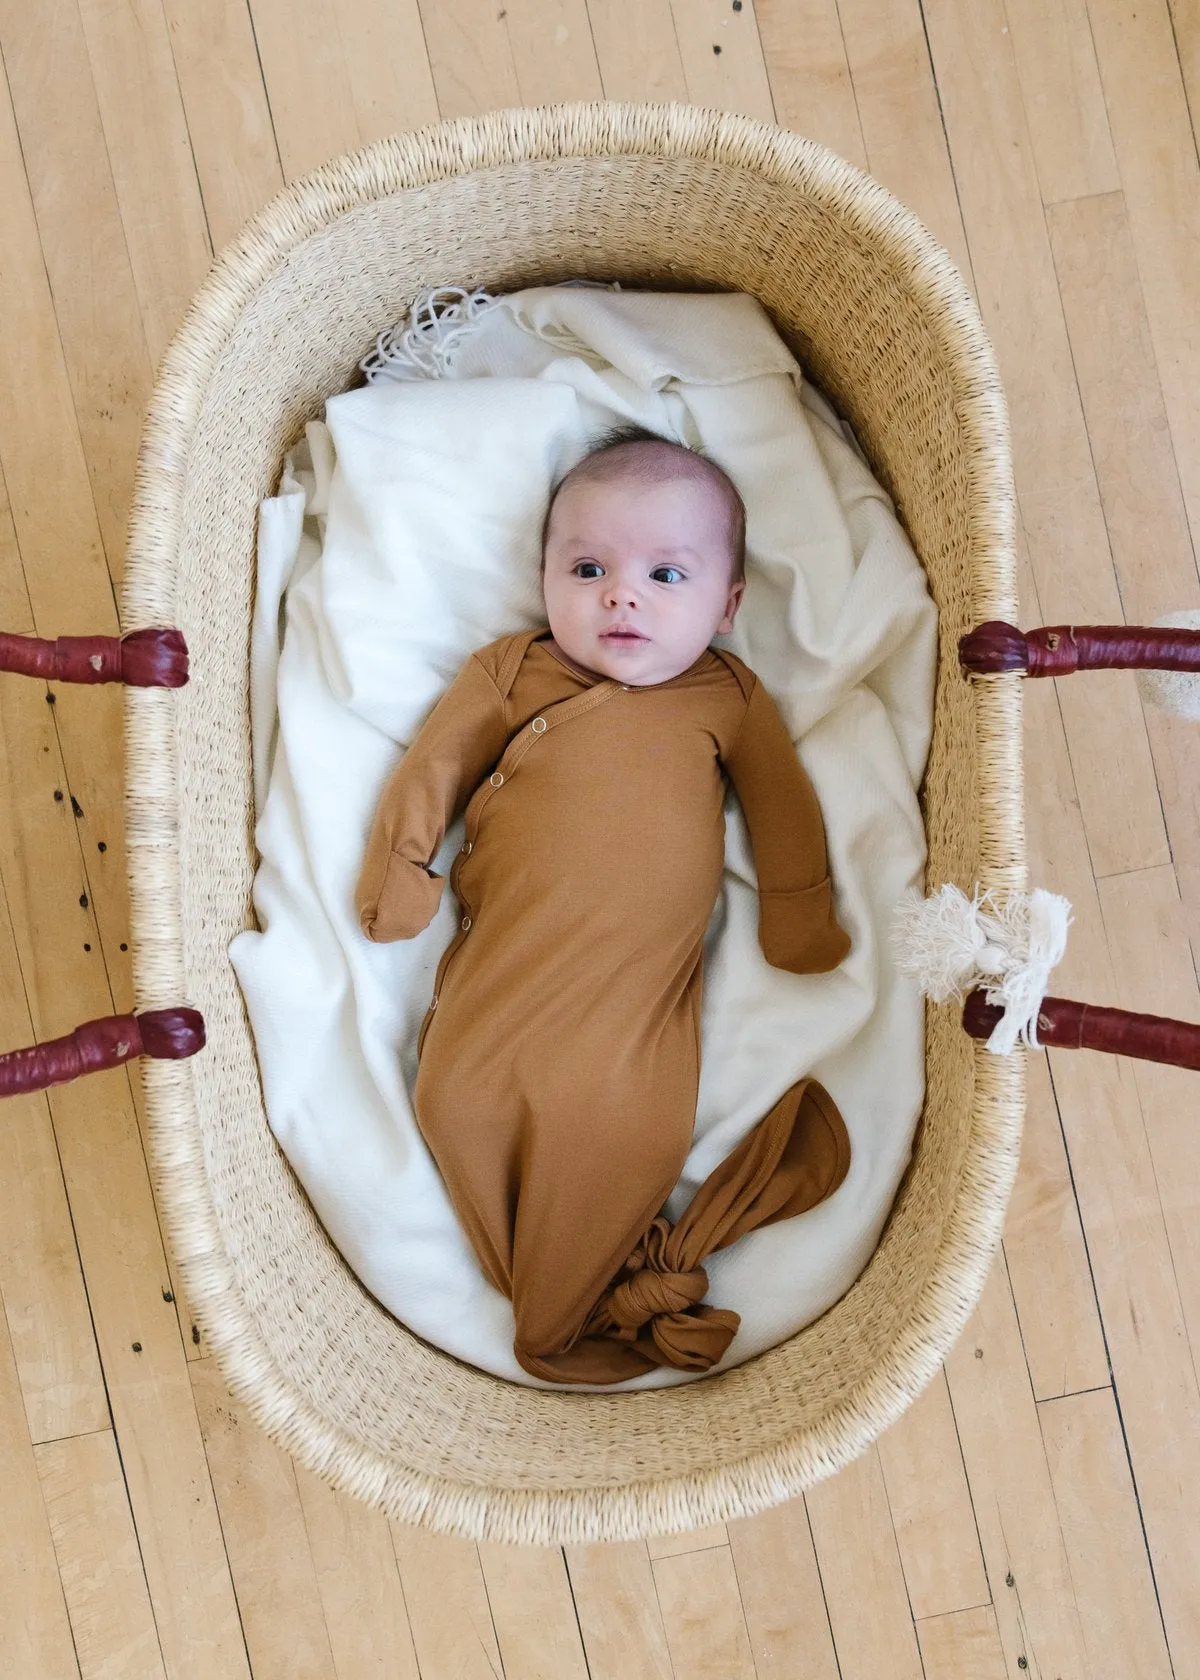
<point>797,928</point>
<point>462,737</point>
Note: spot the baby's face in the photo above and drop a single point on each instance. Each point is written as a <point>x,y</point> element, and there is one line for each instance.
<point>637,576</point>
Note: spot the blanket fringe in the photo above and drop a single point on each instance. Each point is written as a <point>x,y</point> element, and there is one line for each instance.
<point>950,944</point>
<point>423,344</point>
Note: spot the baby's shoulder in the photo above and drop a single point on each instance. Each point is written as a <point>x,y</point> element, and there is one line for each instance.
<point>738,674</point>
<point>502,658</point>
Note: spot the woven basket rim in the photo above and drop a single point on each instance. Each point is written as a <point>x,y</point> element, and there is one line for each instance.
<point>739,1487</point>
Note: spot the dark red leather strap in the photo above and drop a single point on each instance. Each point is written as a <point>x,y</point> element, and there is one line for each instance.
<point>1058,649</point>
<point>143,659</point>
<point>1065,1025</point>
<point>169,1034</point>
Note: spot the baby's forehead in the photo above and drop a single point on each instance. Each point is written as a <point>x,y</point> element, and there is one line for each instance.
<point>646,463</point>
<point>638,472</point>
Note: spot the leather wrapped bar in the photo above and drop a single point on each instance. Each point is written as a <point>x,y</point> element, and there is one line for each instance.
<point>1058,649</point>
<point>1063,1025</point>
<point>143,659</point>
<point>166,1034</point>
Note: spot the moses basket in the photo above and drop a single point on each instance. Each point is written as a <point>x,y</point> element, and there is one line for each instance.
<point>651,196</point>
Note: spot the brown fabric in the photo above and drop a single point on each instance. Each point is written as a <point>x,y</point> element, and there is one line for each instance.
<point>559,1060</point>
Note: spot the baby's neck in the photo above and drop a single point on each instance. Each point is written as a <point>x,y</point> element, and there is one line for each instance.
<point>565,659</point>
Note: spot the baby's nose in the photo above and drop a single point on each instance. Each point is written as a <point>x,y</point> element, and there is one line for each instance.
<point>621,592</point>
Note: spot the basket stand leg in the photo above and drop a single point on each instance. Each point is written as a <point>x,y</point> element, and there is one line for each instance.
<point>143,659</point>
<point>170,1034</point>
<point>1064,1025</point>
<point>1058,649</point>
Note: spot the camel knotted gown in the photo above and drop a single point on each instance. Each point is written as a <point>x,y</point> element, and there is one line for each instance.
<point>560,1057</point>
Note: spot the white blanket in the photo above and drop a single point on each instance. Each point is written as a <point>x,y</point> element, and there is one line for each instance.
<point>406,537</point>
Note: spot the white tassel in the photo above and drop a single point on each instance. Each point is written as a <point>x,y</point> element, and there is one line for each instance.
<point>950,944</point>
<point>424,343</point>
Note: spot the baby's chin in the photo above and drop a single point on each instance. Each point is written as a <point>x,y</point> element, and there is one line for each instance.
<point>640,664</point>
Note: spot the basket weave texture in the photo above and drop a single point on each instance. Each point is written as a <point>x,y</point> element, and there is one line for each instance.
<point>653,196</point>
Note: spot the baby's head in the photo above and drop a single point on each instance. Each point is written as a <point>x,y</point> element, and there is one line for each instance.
<point>643,557</point>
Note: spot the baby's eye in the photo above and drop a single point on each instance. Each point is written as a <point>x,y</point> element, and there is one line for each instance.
<point>667,574</point>
<point>588,569</point>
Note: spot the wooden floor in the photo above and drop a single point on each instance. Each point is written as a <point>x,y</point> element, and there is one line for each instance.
<point>1033,1515</point>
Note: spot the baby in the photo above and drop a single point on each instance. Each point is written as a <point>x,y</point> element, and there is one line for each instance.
<point>560,1057</point>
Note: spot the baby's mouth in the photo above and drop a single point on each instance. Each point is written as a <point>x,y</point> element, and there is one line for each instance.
<point>622,633</point>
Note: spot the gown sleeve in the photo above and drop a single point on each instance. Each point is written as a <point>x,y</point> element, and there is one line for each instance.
<point>463,736</point>
<point>797,928</point>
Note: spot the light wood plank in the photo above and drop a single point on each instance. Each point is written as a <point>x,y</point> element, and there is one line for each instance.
<point>146,1373</point>
<point>784,1604</point>
<point>809,75</point>
<point>1185,19</point>
<point>387,66</point>
<point>524,52</point>
<point>35,1633</point>
<point>962,1646</point>
<point>619,1617</point>
<point>1059,501</point>
<point>1061,1328</point>
<point>359,1583</point>
<point>470,56</point>
<point>722,57</point>
<point>1046,1253</point>
<point>636,49</point>
<point>40,1273</point>
<point>552,49</point>
<point>1011,1491</point>
<point>307,81</point>
<point>98,1559</point>
<point>448,1607</point>
<point>1156,153</point>
<point>1113,356</point>
<point>931,1507</point>
<point>265,1536</point>
<point>1097,1507</point>
<point>69,908</point>
<point>533,1612</point>
<point>39,434</point>
<point>695,1540</point>
<point>225,104</point>
<point>54,516</point>
<point>16,613</point>
<point>899,111</point>
<point>83,243</point>
<point>1062,97</point>
<point>1118,1191</point>
<point>702,1615</point>
<point>41,1279</point>
<point>148,146</point>
<point>1155,973</point>
<point>860,1564</point>
<point>1138,478</point>
<point>1131,1255</point>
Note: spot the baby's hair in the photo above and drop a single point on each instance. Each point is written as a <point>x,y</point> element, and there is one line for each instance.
<point>622,452</point>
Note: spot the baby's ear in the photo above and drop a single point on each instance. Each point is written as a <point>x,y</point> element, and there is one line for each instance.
<point>732,604</point>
